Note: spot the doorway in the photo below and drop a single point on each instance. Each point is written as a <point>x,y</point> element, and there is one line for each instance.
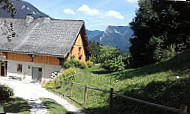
<point>3,68</point>
<point>36,74</point>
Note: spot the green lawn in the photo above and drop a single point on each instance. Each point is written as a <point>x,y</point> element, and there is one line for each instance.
<point>156,83</point>
<point>17,105</point>
<point>53,107</point>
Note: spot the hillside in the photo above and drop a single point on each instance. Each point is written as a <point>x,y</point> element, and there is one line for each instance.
<point>23,9</point>
<point>116,36</point>
<point>166,83</point>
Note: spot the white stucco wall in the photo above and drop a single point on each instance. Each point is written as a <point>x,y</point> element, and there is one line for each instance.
<point>27,69</point>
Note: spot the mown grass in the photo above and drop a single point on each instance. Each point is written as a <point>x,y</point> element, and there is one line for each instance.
<point>17,105</point>
<point>156,83</point>
<point>53,107</point>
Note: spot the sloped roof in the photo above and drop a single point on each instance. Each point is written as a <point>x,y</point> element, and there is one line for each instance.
<point>42,36</point>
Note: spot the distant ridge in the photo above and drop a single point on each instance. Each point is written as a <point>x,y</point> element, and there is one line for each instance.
<point>116,36</point>
<point>23,9</point>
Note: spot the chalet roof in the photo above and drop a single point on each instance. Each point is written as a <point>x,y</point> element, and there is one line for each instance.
<point>43,36</point>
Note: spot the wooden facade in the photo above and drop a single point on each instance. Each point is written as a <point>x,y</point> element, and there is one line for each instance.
<point>78,50</point>
<point>28,58</point>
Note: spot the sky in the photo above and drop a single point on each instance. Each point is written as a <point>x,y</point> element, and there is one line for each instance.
<point>97,14</point>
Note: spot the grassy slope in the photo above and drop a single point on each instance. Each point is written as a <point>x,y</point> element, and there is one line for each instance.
<point>156,83</point>
<point>53,107</point>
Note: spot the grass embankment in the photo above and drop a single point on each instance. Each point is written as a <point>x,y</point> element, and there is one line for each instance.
<point>53,107</point>
<point>156,83</point>
<point>17,105</point>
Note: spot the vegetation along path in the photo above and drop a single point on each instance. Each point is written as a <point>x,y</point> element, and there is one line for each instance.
<point>32,92</point>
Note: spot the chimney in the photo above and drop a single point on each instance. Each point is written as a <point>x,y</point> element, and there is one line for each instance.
<point>29,19</point>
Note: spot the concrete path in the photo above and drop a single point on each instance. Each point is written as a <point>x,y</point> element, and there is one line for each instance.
<point>32,92</point>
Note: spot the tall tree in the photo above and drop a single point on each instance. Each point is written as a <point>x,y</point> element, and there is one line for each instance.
<point>159,28</point>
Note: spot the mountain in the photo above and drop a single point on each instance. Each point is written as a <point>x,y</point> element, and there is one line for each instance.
<point>23,9</point>
<point>116,36</point>
<point>94,35</point>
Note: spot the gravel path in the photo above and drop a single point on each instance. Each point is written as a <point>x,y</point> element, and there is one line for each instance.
<point>32,92</point>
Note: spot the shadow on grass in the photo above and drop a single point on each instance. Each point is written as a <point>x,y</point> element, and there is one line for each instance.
<point>17,105</point>
<point>53,107</point>
<point>101,72</point>
<point>168,93</point>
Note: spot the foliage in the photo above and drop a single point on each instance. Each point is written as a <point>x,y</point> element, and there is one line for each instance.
<point>95,50</point>
<point>115,64</point>
<point>66,75</point>
<point>111,59</point>
<point>83,65</point>
<point>90,63</point>
<point>8,6</point>
<point>49,85</point>
<point>160,27</point>
<point>5,93</point>
<point>72,63</point>
<point>53,107</point>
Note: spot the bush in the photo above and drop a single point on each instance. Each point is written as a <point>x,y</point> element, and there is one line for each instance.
<point>5,93</point>
<point>115,64</point>
<point>83,65</point>
<point>67,75</point>
<point>90,63</point>
<point>49,85</point>
<point>72,63</point>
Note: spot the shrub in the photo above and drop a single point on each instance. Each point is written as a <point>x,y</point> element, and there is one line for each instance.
<point>68,74</point>
<point>49,85</point>
<point>72,63</point>
<point>5,93</point>
<point>90,63</point>
<point>83,65</point>
<point>115,64</point>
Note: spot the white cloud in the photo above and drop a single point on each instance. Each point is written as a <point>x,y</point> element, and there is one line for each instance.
<point>87,10</point>
<point>114,14</point>
<point>132,1</point>
<point>94,12</point>
<point>69,11</point>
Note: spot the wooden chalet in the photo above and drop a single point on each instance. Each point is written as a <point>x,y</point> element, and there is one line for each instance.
<point>41,46</point>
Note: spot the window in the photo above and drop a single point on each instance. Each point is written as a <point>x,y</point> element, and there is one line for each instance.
<point>40,69</point>
<point>19,68</point>
<point>79,49</point>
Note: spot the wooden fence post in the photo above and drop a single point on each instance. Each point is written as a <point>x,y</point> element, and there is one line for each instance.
<point>71,89</point>
<point>61,82</point>
<point>55,84</point>
<point>111,101</point>
<point>183,109</point>
<point>85,94</point>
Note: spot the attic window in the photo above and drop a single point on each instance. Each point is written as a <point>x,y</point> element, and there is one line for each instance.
<point>19,68</point>
<point>79,49</point>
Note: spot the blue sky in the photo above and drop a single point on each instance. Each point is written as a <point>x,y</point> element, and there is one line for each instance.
<point>97,14</point>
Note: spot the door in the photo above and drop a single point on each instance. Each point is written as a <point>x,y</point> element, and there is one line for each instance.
<point>3,68</point>
<point>36,74</point>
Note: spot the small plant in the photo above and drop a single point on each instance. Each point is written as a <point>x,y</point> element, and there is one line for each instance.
<point>114,65</point>
<point>83,65</point>
<point>72,63</point>
<point>49,85</point>
<point>90,63</point>
<point>5,93</point>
